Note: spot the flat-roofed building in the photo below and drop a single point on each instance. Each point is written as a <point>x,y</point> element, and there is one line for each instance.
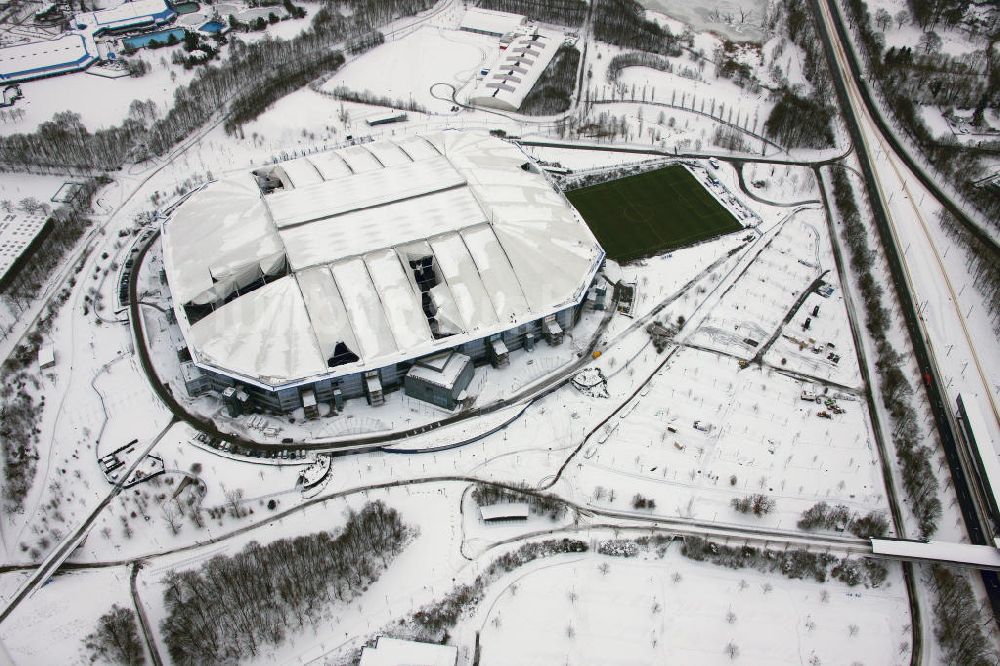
<point>126,16</point>
<point>489,22</point>
<point>71,52</point>
<point>396,652</point>
<point>440,379</point>
<point>504,512</point>
<point>20,234</point>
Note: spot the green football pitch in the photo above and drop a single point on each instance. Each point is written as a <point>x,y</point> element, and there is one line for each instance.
<point>643,215</point>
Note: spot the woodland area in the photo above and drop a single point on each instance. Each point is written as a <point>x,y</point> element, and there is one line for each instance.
<point>790,563</point>
<point>623,23</point>
<point>919,480</point>
<point>959,623</point>
<point>553,91</point>
<point>801,120</point>
<point>231,607</point>
<point>19,408</point>
<point>922,74</point>
<point>561,12</point>
<point>823,516</point>
<point>542,504</point>
<point>252,76</point>
<point>116,639</point>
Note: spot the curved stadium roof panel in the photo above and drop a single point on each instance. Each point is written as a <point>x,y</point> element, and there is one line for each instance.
<point>370,255</point>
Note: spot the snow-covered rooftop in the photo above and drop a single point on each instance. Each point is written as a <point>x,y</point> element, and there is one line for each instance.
<point>17,232</point>
<point>490,22</point>
<point>345,240</point>
<point>42,58</point>
<point>396,652</point>
<point>517,70</point>
<point>441,369</point>
<point>126,15</point>
<point>505,511</point>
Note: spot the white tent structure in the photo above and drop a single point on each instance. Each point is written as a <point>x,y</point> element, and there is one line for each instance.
<point>518,69</point>
<point>369,256</point>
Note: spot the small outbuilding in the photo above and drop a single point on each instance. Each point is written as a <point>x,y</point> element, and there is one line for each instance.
<point>196,382</point>
<point>440,379</point>
<point>46,357</point>
<point>386,118</point>
<point>508,511</point>
<point>396,652</point>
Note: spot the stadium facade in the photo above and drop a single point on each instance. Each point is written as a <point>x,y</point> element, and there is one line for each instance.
<point>327,276</point>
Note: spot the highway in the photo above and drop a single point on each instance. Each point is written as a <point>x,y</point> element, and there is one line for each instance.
<point>918,272</point>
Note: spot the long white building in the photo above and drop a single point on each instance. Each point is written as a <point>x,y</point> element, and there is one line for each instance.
<point>333,270</point>
<point>518,68</point>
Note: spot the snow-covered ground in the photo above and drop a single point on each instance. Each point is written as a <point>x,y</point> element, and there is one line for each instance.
<point>446,56</point>
<point>734,19</point>
<point>567,610</point>
<point>762,437</point>
<point>755,432</point>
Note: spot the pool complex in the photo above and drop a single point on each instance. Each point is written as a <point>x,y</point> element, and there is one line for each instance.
<point>160,37</point>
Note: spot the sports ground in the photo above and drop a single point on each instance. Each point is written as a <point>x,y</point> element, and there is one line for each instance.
<point>642,215</point>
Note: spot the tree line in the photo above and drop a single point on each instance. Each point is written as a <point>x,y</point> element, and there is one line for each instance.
<point>543,504</point>
<point>254,76</point>
<point>562,12</point>
<point>823,516</point>
<point>232,607</point>
<point>793,563</point>
<point>619,22</point>
<point>803,120</point>
<point>20,412</point>
<point>896,392</point>
<point>959,623</point>
<point>636,59</point>
<point>624,23</point>
<point>432,622</point>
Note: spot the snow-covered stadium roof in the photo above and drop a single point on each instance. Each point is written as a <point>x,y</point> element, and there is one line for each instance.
<point>348,239</point>
<point>517,70</point>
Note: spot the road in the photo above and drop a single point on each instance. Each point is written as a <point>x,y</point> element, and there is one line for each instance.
<point>148,633</point>
<point>65,548</point>
<point>882,182</point>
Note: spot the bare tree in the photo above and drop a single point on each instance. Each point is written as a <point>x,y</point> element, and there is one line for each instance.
<point>116,638</point>
<point>234,498</point>
<point>172,514</point>
<point>883,19</point>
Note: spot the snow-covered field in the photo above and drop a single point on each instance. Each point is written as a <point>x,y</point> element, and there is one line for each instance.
<point>729,408</point>
<point>446,56</point>
<point>567,611</point>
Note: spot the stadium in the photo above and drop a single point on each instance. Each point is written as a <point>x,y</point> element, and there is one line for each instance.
<point>333,276</point>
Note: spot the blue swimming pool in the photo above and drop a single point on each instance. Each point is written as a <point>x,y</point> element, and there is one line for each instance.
<point>212,26</point>
<point>161,37</point>
<point>186,7</point>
